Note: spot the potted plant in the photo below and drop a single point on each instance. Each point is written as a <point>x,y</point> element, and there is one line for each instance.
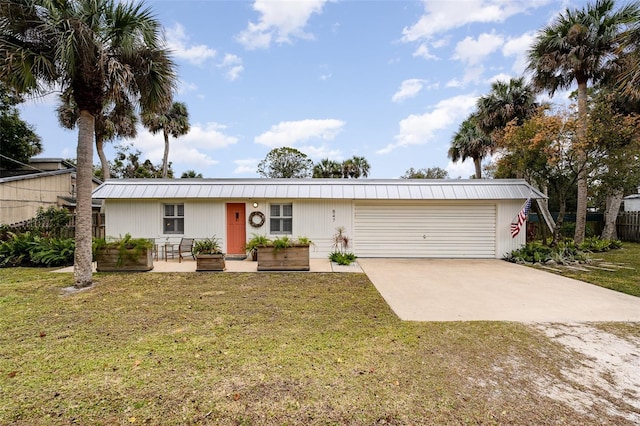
<point>252,245</point>
<point>284,254</point>
<point>209,256</point>
<point>123,254</point>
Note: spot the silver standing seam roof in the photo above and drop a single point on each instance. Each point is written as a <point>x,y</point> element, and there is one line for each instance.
<point>314,189</point>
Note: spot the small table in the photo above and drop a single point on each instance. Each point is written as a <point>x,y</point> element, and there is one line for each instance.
<point>168,249</point>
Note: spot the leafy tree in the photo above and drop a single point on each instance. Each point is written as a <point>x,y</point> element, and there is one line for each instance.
<point>471,142</point>
<point>327,169</point>
<point>614,160</point>
<point>18,140</point>
<point>116,120</point>
<point>355,167</point>
<point>174,122</point>
<point>128,165</point>
<point>577,46</point>
<point>541,151</point>
<point>515,100</point>
<point>190,174</point>
<point>429,173</point>
<point>285,162</point>
<point>93,48</point>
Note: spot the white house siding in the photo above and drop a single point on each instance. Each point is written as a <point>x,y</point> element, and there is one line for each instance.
<point>318,221</point>
<point>507,211</point>
<point>460,229</point>
<point>205,219</point>
<point>139,218</point>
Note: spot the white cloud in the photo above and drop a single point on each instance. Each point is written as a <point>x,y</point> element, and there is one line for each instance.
<point>178,42</point>
<point>184,87</point>
<point>288,133</point>
<point>191,150</point>
<point>499,77</point>
<point>518,47</point>
<point>279,21</point>
<point>461,169</point>
<point>322,151</point>
<point>408,89</point>
<point>420,129</point>
<point>472,51</point>
<point>423,51</point>
<point>232,66</point>
<point>471,75</point>
<point>246,166</point>
<point>442,16</point>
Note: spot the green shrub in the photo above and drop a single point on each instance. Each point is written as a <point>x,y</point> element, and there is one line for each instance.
<point>342,258</point>
<point>15,250</point>
<point>52,251</point>
<point>27,249</point>
<point>566,252</point>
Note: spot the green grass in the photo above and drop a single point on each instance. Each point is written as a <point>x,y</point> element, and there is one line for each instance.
<point>244,349</point>
<point>623,280</point>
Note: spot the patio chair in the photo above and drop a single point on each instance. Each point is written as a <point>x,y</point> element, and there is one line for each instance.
<point>185,247</point>
<point>154,248</point>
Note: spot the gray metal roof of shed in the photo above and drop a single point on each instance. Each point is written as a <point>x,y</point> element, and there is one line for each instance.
<point>350,189</point>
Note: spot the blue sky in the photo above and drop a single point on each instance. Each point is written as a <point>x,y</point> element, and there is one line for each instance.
<point>387,80</point>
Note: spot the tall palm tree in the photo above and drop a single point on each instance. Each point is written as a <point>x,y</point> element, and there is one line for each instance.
<point>327,169</point>
<point>115,120</point>
<point>174,122</point>
<point>513,100</point>
<point>470,142</point>
<point>577,46</point>
<point>98,49</point>
<point>355,167</point>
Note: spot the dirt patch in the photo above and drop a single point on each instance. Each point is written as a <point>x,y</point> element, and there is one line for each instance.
<point>602,370</point>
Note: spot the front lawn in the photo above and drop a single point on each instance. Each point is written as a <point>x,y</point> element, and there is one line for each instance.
<point>262,348</point>
<point>625,276</point>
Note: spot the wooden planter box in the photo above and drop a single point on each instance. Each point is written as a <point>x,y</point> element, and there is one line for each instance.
<point>294,258</point>
<point>108,261</point>
<point>210,262</point>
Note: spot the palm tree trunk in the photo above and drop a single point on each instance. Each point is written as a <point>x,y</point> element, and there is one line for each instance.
<point>581,208</point>
<point>84,173</point>
<point>613,202</point>
<point>165,158</point>
<point>106,173</point>
<point>478,163</point>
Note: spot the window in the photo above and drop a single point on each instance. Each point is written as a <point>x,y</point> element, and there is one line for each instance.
<point>281,220</point>
<point>173,220</point>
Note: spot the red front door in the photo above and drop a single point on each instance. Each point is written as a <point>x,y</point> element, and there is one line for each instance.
<point>236,228</point>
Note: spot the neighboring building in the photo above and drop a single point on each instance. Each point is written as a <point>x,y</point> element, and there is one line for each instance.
<point>45,182</point>
<point>632,202</point>
<point>384,218</point>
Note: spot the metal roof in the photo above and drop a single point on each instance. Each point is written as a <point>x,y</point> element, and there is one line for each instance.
<point>350,189</point>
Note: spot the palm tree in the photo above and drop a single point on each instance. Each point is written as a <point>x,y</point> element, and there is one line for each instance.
<point>115,120</point>
<point>98,49</point>
<point>355,167</point>
<point>515,100</point>
<point>327,169</point>
<point>578,46</point>
<point>174,122</point>
<point>470,142</point>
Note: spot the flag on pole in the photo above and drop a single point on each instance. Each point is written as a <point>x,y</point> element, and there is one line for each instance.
<point>520,218</point>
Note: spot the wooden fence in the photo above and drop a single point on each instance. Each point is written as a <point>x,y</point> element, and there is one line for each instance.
<point>67,231</point>
<point>628,226</point>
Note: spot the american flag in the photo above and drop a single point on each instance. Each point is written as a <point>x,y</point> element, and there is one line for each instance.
<point>520,218</point>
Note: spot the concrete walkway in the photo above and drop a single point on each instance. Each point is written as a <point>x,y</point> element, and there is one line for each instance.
<point>492,290</point>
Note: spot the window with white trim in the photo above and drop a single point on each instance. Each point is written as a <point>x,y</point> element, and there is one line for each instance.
<point>281,219</point>
<point>173,219</point>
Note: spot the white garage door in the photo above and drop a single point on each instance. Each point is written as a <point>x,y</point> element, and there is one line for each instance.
<point>445,230</point>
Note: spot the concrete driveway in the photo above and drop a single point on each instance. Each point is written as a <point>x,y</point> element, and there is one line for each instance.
<point>491,290</point>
